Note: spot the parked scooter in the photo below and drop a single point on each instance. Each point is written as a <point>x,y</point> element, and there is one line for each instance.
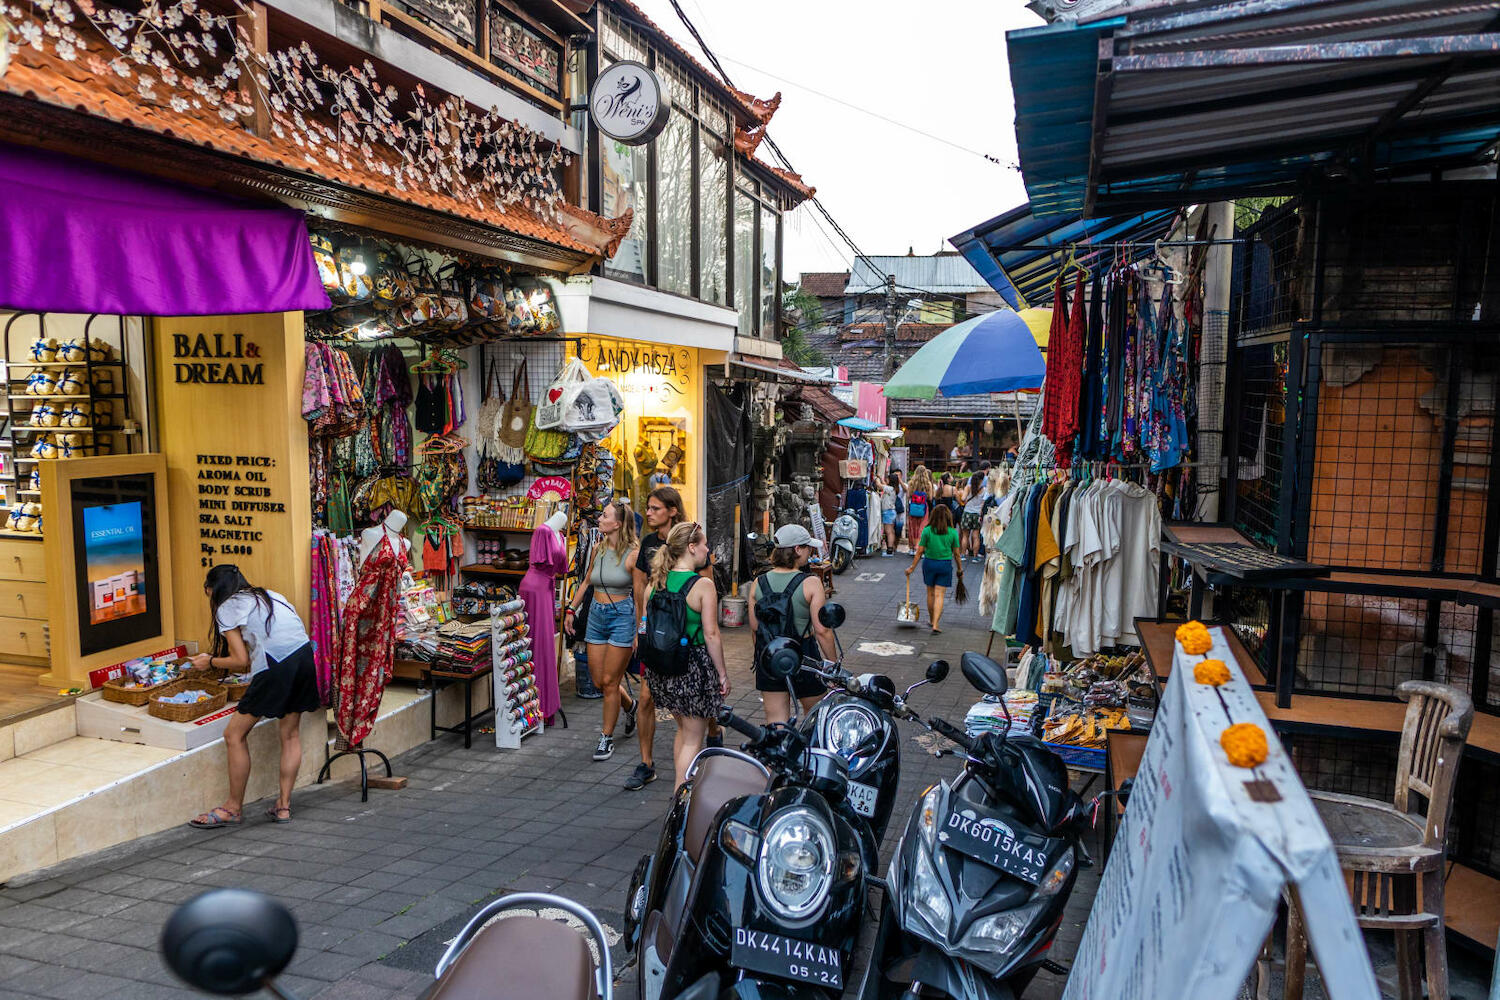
<point>235,941</point>
<point>758,883</point>
<point>843,536</point>
<point>861,712</point>
<point>976,889</point>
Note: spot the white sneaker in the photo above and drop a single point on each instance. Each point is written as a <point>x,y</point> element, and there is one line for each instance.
<point>606,748</point>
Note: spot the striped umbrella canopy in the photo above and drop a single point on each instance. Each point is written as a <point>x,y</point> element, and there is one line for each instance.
<point>995,352</point>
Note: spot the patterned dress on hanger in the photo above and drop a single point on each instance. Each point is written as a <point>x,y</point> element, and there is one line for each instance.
<point>369,641</point>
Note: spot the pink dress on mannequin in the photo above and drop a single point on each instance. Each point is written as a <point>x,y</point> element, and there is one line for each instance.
<point>549,560</point>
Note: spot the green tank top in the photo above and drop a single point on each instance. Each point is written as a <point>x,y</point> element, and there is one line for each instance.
<point>675,581</point>
<point>780,579</point>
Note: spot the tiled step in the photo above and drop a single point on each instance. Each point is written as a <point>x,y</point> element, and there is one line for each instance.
<point>68,795</point>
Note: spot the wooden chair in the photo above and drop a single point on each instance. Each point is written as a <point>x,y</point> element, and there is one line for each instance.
<point>1393,853</point>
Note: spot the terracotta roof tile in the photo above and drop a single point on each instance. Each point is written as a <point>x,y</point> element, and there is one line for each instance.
<point>41,76</point>
<point>825,284</point>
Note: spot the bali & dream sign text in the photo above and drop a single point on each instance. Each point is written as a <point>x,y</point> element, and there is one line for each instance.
<point>216,359</point>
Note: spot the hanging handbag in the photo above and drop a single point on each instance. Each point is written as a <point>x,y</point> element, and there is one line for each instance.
<point>544,445</point>
<point>487,294</point>
<point>542,305</point>
<point>359,285</point>
<point>591,408</point>
<point>453,306</point>
<point>549,412</point>
<point>519,318</point>
<point>515,420</point>
<point>327,264</point>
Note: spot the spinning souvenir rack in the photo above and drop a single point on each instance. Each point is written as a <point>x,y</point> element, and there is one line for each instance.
<point>518,708</point>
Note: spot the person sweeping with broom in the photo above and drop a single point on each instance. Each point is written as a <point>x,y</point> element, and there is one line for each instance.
<point>938,554</point>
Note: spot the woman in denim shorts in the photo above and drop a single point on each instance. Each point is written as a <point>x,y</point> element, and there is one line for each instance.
<point>610,633</point>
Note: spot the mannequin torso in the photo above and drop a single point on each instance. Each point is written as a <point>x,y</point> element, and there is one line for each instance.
<point>391,527</point>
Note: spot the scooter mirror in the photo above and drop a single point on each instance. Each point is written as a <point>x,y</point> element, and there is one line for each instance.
<point>831,615</point>
<point>783,658</point>
<point>229,941</point>
<point>984,673</point>
<point>936,671</point>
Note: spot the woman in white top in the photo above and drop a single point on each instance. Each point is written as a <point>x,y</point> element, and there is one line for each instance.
<point>258,631</point>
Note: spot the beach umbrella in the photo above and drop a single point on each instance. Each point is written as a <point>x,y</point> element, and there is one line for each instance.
<point>995,352</point>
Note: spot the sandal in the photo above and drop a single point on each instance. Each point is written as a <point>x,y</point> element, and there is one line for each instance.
<point>273,813</point>
<point>216,818</point>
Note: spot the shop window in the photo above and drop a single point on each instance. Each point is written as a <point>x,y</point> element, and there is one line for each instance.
<point>623,175</point>
<point>713,210</point>
<point>744,262</point>
<point>769,286</point>
<point>674,204</point>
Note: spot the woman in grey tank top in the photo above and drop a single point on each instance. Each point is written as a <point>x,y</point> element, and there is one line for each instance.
<point>611,615</point>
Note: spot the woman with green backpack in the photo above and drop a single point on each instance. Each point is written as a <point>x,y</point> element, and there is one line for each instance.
<point>680,645</point>
<point>784,602</point>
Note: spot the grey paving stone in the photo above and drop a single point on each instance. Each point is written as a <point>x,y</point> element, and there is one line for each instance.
<point>370,945</point>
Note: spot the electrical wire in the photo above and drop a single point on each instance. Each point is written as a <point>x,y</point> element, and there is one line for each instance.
<point>876,115</point>
<point>786,163</point>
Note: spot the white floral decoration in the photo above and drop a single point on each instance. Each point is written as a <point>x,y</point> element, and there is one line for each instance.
<point>347,118</point>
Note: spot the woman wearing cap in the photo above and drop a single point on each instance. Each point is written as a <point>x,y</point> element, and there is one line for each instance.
<point>794,547</point>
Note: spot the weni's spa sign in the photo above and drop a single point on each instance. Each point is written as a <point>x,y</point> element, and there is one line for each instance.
<point>628,104</point>
<point>216,359</point>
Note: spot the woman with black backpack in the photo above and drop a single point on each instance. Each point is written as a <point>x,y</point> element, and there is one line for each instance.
<point>785,602</point>
<point>680,646</point>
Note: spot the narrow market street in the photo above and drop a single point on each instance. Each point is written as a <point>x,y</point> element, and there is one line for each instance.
<point>379,888</point>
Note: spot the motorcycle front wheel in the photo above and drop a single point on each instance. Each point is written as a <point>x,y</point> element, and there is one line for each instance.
<point>841,559</point>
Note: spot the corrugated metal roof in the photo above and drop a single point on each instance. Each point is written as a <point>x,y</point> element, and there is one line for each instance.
<point>1189,103</point>
<point>1020,254</point>
<point>996,405</point>
<point>947,273</point>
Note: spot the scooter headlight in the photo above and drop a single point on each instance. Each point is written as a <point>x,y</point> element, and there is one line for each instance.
<point>1000,932</point>
<point>796,863</point>
<point>847,727</point>
<point>927,815</point>
<point>928,896</point>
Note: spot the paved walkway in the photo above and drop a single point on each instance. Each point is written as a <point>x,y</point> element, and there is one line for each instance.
<point>378,888</point>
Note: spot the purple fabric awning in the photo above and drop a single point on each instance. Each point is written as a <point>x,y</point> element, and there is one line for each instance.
<point>78,237</point>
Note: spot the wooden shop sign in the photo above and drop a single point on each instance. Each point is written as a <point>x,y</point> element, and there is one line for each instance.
<point>216,359</point>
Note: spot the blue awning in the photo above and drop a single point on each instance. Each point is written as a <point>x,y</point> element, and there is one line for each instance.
<point>1179,105</point>
<point>1020,254</point>
<point>860,424</point>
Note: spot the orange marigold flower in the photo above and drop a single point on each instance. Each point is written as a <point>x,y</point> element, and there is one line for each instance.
<point>1245,744</point>
<point>1211,672</point>
<point>1195,641</point>
<point>1190,628</point>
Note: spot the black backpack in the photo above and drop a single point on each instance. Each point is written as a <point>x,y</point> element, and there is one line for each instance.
<point>664,646</point>
<point>773,614</point>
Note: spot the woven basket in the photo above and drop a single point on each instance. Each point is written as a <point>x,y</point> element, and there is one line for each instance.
<point>217,696</point>
<point>217,676</point>
<point>136,695</point>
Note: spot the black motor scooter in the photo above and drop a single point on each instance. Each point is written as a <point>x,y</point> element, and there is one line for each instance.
<point>757,886</point>
<point>862,711</point>
<point>978,883</point>
<point>235,941</point>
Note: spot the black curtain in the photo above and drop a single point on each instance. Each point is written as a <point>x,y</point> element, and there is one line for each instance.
<point>727,462</point>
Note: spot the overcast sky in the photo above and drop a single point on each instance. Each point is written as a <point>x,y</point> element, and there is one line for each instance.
<point>938,66</point>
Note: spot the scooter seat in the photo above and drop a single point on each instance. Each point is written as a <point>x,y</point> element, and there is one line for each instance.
<point>521,958</point>
<point>719,779</point>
